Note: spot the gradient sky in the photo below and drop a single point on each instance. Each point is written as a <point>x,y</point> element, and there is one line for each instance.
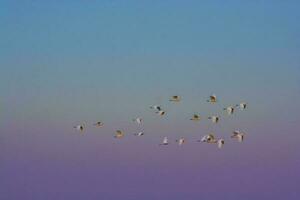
<point>65,62</point>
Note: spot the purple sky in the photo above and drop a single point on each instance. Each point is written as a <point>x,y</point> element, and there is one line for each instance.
<point>57,164</point>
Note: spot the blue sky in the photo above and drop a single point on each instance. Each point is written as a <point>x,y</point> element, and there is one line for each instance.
<point>80,51</point>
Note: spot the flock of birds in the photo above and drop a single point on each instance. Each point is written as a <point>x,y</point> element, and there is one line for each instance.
<point>209,139</point>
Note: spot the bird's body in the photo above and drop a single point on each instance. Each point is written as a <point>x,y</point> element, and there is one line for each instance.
<point>119,134</point>
<point>180,141</point>
<point>229,110</point>
<point>220,143</point>
<point>98,124</point>
<point>79,127</point>
<point>238,135</point>
<point>242,106</point>
<point>161,112</point>
<point>195,117</point>
<point>212,99</point>
<point>165,141</point>
<point>214,119</point>
<point>175,98</point>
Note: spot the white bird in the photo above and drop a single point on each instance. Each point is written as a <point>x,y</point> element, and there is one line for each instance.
<point>161,112</point>
<point>210,138</point>
<point>212,99</point>
<point>175,98</point>
<point>221,142</point>
<point>156,107</point>
<point>165,141</point>
<point>242,106</point>
<point>214,119</point>
<point>138,120</point>
<point>119,134</point>
<point>238,135</point>
<point>229,110</point>
<point>181,141</point>
<point>98,124</point>
<point>79,127</point>
<point>139,134</point>
<point>195,117</point>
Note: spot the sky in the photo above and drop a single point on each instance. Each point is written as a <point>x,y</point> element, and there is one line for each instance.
<point>68,62</point>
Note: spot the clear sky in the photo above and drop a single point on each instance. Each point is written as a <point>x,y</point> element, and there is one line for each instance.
<point>65,62</point>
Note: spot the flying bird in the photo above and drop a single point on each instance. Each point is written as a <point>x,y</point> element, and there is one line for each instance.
<point>138,120</point>
<point>212,99</point>
<point>238,135</point>
<point>214,119</point>
<point>220,143</point>
<point>210,138</point>
<point>195,117</point>
<point>79,127</point>
<point>139,134</point>
<point>165,141</point>
<point>229,110</point>
<point>242,106</point>
<point>119,134</point>
<point>156,107</point>
<point>161,112</point>
<point>181,141</point>
<point>175,98</point>
<point>98,124</point>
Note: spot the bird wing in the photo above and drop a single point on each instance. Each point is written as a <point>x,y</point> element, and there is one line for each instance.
<point>235,133</point>
<point>165,140</point>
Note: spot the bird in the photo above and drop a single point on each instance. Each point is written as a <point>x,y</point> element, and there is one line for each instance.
<point>238,135</point>
<point>156,107</point>
<point>214,119</point>
<point>165,141</point>
<point>119,134</point>
<point>138,120</point>
<point>212,99</point>
<point>242,106</point>
<point>180,141</point>
<point>79,127</point>
<point>220,143</point>
<point>98,124</point>
<point>210,138</point>
<point>139,134</point>
<point>175,98</point>
<point>195,117</point>
<point>229,110</point>
<point>161,112</point>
